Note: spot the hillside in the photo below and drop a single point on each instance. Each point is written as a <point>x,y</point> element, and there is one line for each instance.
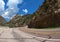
<point>19,20</point>
<point>14,20</point>
<point>48,15</point>
<point>2,21</point>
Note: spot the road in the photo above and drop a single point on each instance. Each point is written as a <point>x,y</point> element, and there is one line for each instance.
<point>15,35</point>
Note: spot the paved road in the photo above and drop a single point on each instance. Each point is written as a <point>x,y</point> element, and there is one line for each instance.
<point>15,35</point>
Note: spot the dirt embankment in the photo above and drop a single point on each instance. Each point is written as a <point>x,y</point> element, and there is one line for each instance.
<point>55,33</point>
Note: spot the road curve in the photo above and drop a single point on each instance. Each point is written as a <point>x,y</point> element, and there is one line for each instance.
<point>15,35</point>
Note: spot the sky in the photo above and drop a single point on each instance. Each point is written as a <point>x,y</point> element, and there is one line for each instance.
<point>9,8</point>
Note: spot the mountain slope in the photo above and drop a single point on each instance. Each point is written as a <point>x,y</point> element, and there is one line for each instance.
<point>14,20</point>
<point>19,21</point>
<point>47,15</point>
<point>2,21</point>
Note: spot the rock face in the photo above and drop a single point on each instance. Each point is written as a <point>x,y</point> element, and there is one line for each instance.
<point>14,21</point>
<point>48,15</point>
<point>19,21</point>
<point>2,21</point>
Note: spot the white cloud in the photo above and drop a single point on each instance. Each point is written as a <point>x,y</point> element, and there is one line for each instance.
<point>5,15</point>
<point>2,5</point>
<point>14,3</point>
<point>12,9</point>
<point>25,10</point>
<point>8,14</point>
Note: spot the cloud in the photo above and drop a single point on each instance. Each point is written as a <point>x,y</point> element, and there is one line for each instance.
<point>25,10</point>
<point>5,15</point>
<point>9,13</point>
<point>2,5</point>
<point>14,2</point>
<point>12,9</point>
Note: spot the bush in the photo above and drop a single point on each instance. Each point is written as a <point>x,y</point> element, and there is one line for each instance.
<point>46,6</point>
<point>11,26</point>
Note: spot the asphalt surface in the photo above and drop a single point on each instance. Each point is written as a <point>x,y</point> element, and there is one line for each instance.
<point>15,35</point>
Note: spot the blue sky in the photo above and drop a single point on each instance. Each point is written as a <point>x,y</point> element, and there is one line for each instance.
<point>10,8</point>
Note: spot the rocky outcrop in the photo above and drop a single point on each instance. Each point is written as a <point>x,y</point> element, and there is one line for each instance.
<point>47,15</point>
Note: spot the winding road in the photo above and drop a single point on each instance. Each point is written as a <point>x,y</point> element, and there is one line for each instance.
<point>15,35</point>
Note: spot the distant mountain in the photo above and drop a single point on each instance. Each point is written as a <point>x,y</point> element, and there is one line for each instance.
<point>2,21</point>
<point>19,20</point>
<point>48,15</point>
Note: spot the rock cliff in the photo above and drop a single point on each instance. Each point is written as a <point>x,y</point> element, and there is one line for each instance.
<point>48,15</point>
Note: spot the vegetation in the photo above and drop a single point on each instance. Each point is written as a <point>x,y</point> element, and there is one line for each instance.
<point>46,6</point>
<point>2,21</point>
<point>11,26</point>
<point>19,20</point>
